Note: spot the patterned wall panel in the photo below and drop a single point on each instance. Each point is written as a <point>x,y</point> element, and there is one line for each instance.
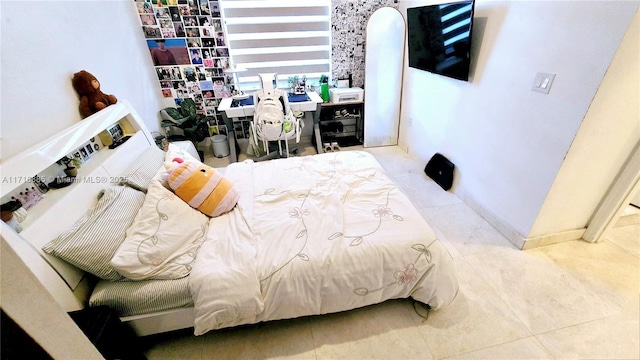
<point>349,24</point>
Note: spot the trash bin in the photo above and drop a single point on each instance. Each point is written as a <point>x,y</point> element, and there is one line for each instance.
<point>220,146</point>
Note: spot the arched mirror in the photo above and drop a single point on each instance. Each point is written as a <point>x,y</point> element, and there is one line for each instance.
<point>384,59</point>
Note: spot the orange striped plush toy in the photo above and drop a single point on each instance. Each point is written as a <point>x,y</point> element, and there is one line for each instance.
<point>203,188</point>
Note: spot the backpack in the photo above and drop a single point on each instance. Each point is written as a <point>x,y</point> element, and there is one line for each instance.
<point>270,108</point>
<point>269,113</point>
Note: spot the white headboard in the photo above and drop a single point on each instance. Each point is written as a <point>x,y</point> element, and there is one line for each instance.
<point>62,207</point>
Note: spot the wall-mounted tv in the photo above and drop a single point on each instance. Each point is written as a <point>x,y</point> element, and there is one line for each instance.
<point>439,38</point>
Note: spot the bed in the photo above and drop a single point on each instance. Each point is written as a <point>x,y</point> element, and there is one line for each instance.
<point>309,235</point>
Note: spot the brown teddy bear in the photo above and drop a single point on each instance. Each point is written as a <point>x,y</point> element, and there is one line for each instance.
<point>92,99</point>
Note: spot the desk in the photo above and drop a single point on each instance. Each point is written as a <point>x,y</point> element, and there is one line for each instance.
<point>229,113</point>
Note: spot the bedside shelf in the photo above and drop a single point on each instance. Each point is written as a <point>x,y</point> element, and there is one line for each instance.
<point>91,173</point>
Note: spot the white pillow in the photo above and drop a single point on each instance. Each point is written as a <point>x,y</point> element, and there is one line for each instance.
<point>164,238</point>
<point>173,152</point>
<point>176,152</point>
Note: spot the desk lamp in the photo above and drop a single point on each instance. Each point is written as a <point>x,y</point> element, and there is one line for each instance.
<point>237,93</point>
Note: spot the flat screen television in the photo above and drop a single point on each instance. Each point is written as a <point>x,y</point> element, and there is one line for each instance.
<point>439,38</point>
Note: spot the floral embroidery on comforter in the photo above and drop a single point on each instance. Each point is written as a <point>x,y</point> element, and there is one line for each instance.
<point>314,235</point>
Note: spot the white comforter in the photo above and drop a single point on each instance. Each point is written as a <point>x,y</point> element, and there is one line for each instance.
<point>315,235</point>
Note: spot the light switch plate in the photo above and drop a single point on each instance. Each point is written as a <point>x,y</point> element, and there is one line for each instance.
<point>543,82</point>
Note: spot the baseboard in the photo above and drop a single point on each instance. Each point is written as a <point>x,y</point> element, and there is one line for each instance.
<point>518,240</point>
<point>498,224</point>
<point>556,238</point>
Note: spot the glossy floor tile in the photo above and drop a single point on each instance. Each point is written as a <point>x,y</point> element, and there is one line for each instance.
<point>528,348</point>
<point>476,319</point>
<point>180,344</point>
<point>573,300</point>
<point>613,337</point>
<point>384,331</point>
<point>286,339</point>
<point>544,294</point>
<point>626,237</point>
<point>465,230</point>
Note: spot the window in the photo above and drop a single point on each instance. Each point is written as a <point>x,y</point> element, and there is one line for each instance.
<point>278,36</point>
<point>456,22</point>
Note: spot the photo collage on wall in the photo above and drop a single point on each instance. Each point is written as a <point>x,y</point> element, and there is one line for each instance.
<point>188,46</point>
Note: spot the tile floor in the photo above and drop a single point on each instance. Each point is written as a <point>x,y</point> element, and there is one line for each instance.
<point>573,300</point>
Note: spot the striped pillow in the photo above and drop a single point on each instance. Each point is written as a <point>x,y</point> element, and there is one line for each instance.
<point>93,239</point>
<point>142,297</point>
<point>140,173</point>
<point>203,188</point>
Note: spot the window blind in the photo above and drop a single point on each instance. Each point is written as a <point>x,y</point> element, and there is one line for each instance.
<point>455,24</point>
<point>278,36</point>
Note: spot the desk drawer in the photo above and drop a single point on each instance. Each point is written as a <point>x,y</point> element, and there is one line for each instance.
<point>236,112</point>
<point>303,106</point>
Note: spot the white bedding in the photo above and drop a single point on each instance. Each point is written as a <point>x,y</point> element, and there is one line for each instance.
<point>315,235</point>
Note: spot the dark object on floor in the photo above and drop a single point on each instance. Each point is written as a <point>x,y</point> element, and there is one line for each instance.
<point>61,182</point>
<point>110,336</point>
<point>440,169</point>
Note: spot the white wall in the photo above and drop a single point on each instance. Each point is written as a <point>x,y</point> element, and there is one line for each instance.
<point>44,42</point>
<point>606,138</point>
<point>508,142</point>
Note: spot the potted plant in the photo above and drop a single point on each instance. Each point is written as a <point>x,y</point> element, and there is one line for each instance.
<point>194,126</point>
<point>293,82</point>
